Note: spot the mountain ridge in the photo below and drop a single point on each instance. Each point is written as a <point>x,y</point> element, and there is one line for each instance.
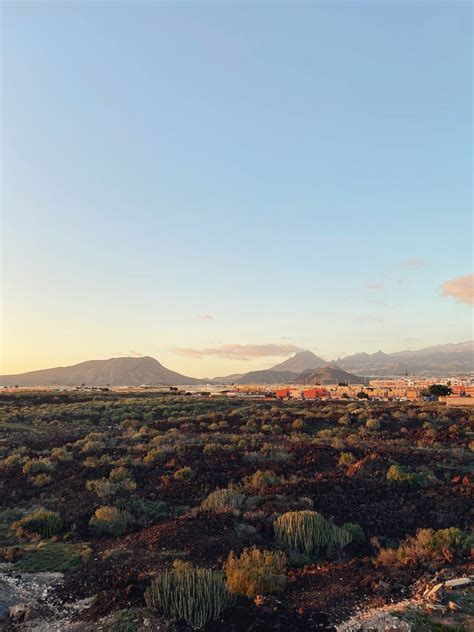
<point>123,371</point>
<point>448,359</point>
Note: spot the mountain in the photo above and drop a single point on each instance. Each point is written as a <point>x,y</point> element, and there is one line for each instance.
<point>457,349</point>
<point>288,370</point>
<point>301,361</point>
<point>113,372</point>
<point>225,379</point>
<point>449,359</point>
<point>267,376</point>
<point>330,374</point>
<point>372,363</point>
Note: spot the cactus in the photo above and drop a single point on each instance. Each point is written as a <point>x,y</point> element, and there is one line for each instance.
<point>310,533</point>
<point>193,595</point>
<point>40,522</point>
<point>223,500</point>
<point>109,521</point>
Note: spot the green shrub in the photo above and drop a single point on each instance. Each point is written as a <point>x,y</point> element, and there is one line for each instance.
<point>356,531</point>
<point>372,424</point>
<point>346,458</point>
<point>144,512</point>
<point>41,523</point>
<point>262,478</point>
<point>120,481</point>
<point>193,595</point>
<point>255,572</point>
<point>62,455</point>
<point>310,533</point>
<point>399,475</point>
<point>40,480</point>
<point>155,455</point>
<point>36,466</point>
<point>183,474</point>
<point>9,462</point>
<point>212,448</point>
<point>428,547</point>
<point>223,500</point>
<point>109,521</point>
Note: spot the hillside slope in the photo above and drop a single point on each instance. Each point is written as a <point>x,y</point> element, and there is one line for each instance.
<point>301,361</point>
<point>112,372</point>
<point>331,374</point>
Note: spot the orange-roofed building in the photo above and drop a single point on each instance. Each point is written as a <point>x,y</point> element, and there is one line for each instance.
<point>315,393</point>
<point>282,393</point>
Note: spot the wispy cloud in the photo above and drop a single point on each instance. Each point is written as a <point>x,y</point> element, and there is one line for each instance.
<point>371,319</point>
<point>205,316</point>
<point>135,354</point>
<point>239,352</point>
<point>374,286</point>
<point>128,354</point>
<point>414,263</point>
<point>460,288</point>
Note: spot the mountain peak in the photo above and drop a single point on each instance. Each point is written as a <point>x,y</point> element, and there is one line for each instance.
<point>299,362</point>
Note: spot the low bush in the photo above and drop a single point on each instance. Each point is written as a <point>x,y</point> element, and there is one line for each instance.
<point>9,462</point>
<point>41,523</point>
<point>109,521</point>
<point>255,572</point>
<point>346,458</point>
<point>428,547</point>
<point>62,455</point>
<point>36,466</point>
<point>120,481</point>
<point>399,475</point>
<point>143,512</point>
<point>193,595</point>
<point>356,531</point>
<point>40,480</point>
<point>223,500</point>
<point>183,474</point>
<point>262,478</point>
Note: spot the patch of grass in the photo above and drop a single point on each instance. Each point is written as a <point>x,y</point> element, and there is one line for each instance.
<point>424,623</point>
<point>8,425</point>
<point>171,554</point>
<point>122,621</point>
<point>53,557</point>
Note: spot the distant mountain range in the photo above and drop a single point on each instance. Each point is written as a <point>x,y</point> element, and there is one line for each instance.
<point>303,368</point>
<point>112,372</point>
<point>447,359</point>
<point>450,359</point>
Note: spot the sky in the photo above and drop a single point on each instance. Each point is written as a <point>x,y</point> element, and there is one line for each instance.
<point>219,184</point>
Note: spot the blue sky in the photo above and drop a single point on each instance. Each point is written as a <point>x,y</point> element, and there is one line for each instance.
<point>182,176</point>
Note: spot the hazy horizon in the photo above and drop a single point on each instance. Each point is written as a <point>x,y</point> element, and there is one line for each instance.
<point>248,363</point>
<point>183,180</point>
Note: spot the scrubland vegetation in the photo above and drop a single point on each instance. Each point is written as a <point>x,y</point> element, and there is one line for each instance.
<point>232,515</point>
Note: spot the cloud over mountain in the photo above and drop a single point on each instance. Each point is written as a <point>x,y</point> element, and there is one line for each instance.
<point>239,352</point>
<point>460,288</point>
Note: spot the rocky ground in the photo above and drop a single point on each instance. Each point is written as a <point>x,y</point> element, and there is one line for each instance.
<point>75,440</point>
